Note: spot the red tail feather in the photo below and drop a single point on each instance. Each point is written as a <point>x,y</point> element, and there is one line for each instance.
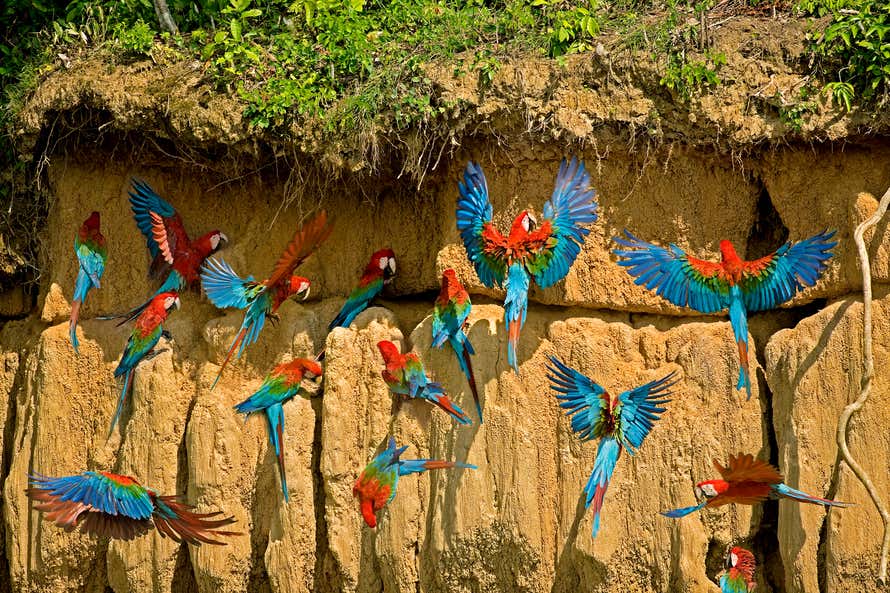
<point>232,350</point>
<point>471,379</point>
<point>192,528</point>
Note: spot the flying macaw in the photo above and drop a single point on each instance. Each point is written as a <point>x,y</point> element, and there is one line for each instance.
<point>746,481</point>
<point>741,286</point>
<point>619,422</point>
<point>544,253</point>
<point>404,375</point>
<point>449,315</point>
<point>175,257</point>
<point>739,574</point>
<point>146,334</point>
<point>118,507</point>
<point>261,299</point>
<point>89,246</point>
<point>279,387</point>
<point>379,272</point>
<point>376,486</point>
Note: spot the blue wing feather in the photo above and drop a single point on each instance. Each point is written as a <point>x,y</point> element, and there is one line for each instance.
<point>640,408</point>
<point>473,213</point>
<point>98,491</point>
<point>581,398</point>
<point>143,201</point>
<point>223,286</point>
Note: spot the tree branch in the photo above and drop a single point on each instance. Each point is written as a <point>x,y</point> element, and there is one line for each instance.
<point>165,19</point>
<point>865,385</point>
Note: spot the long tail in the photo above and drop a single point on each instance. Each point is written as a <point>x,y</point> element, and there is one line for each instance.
<point>174,519</point>
<point>515,306</point>
<point>436,394</point>
<point>789,492</point>
<point>173,282</point>
<point>72,325</point>
<point>595,491</point>
<point>463,349</point>
<point>81,287</point>
<point>128,378</point>
<point>738,318</point>
<point>414,466</point>
<point>677,513</point>
<point>235,343</point>
<point>275,416</point>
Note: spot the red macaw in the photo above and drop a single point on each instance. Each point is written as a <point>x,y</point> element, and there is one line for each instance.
<point>746,481</point>
<point>404,375</point>
<point>376,486</point>
<point>739,574</point>
<point>379,272</point>
<point>544,253</point>
<point>92,254</point>
<point>118,507</point>
<point>261,299</point>
<point>741,286</point>
<point>146,334</point>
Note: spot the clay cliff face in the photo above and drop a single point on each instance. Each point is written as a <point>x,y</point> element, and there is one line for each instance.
<point>517,523</point>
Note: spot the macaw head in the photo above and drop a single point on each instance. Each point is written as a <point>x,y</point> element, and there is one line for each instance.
<point>311,368</point>
<point>167,300</point>
<point>727,251</point>
<point>92,223</point>
<point>217,241</point>
<point>389,351</point>
<point>450,283</point>
<point>741,560</point>
<point>709,489</point>
<point>524,223</point>
<point>384,261</point>
<point>298,286</point>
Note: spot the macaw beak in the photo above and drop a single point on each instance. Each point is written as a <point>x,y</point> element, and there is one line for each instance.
<point>306,293</point>
<point>176,303</point>
<point>223,238</point>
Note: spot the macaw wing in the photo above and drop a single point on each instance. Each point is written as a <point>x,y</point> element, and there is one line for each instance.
<point>745,468</point>
<point>168,234</point>
<point>446,321</point>
<point>639,408</point>
<point>304,242</point>
<point>223,286</point>
<point>683,280</point>
<point>91,260</point>
<point>144,201</point>
<point>415,375</point>
<point>485,245</point>
<point>97,491</point>
<point>137,347</point>
<point>772,280</point>
<point>583,400</point>
<point>557,243</point>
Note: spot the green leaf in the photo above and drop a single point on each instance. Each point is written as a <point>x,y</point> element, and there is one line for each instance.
<point>235,27</point>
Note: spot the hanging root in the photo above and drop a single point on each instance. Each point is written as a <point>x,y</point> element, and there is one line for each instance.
<point>867,376</point>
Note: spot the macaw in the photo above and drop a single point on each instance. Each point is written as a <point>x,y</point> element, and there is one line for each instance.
<point>619,422</point>
<point>378,273</point>
<point>746,481</point>
<point>175,257</point>
<point>118,507</point>
<point>739,574</point>
<point>449,316</point>
<point>741,286</point>
<point>146,334</point>
<point>89,246</point>
<point>544,253</point>
<point>376,486</point>
<point>404,375</point>
<point>279,387</point>
<point>262,299</point>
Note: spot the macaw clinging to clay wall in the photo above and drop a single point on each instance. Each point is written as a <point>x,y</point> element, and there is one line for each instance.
<point>450,313</point>
<point>376,486</point>
<point>741,286</point>
<point>146,334</point>
<point>618,422</point>
<point>739,574</point>
<point>544,253</point>
<point>746,481</point>
<point>279,387</point>
<point>379,272</point>
<point>89,246</point>
<point>118,507</point>
<point>262,299</point>
<point>404,375</point>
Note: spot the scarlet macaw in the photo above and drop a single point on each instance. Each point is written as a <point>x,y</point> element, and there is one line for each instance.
<point>379,272</point>
<point>742,286</point>
<point>449,315</point>
<point>118,507</point>
<point>92,254</point>
<point>545,253</point>
<point>619,422</point>
<point>376,486</point>
<point>739,574</point>
<point>279,387</point>
<point>261,299</point>
<point>145,336</point>
<point>746,481</point>
<point>404,375</point>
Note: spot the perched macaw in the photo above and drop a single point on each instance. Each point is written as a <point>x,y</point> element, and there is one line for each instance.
<point>619,422</point>
<point>739,574</point>
<point>261,299</point>
<point>746,481</point>
<point>379,272</point>
<point>741,286</point>
<point>544,253</point>
<point>118,507</point>
<point>405,375</point>
<point>89,246</point>
<point>175,257</point>
<point>146,334</point>
<point>279,387</point>
<point>376,486</point>
<point>449,315</point>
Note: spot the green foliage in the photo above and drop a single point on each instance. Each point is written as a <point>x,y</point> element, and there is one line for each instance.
<point>687,77</point>
<point>840,93</point>
<point>795,115</point>
<point>137,38</point>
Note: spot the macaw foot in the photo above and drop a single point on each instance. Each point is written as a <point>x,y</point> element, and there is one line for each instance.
<point>167,335</point>
<point>153,353</point>
<point>273,319</point>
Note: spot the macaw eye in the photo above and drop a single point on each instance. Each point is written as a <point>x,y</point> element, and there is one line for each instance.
<point>382,263</point>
